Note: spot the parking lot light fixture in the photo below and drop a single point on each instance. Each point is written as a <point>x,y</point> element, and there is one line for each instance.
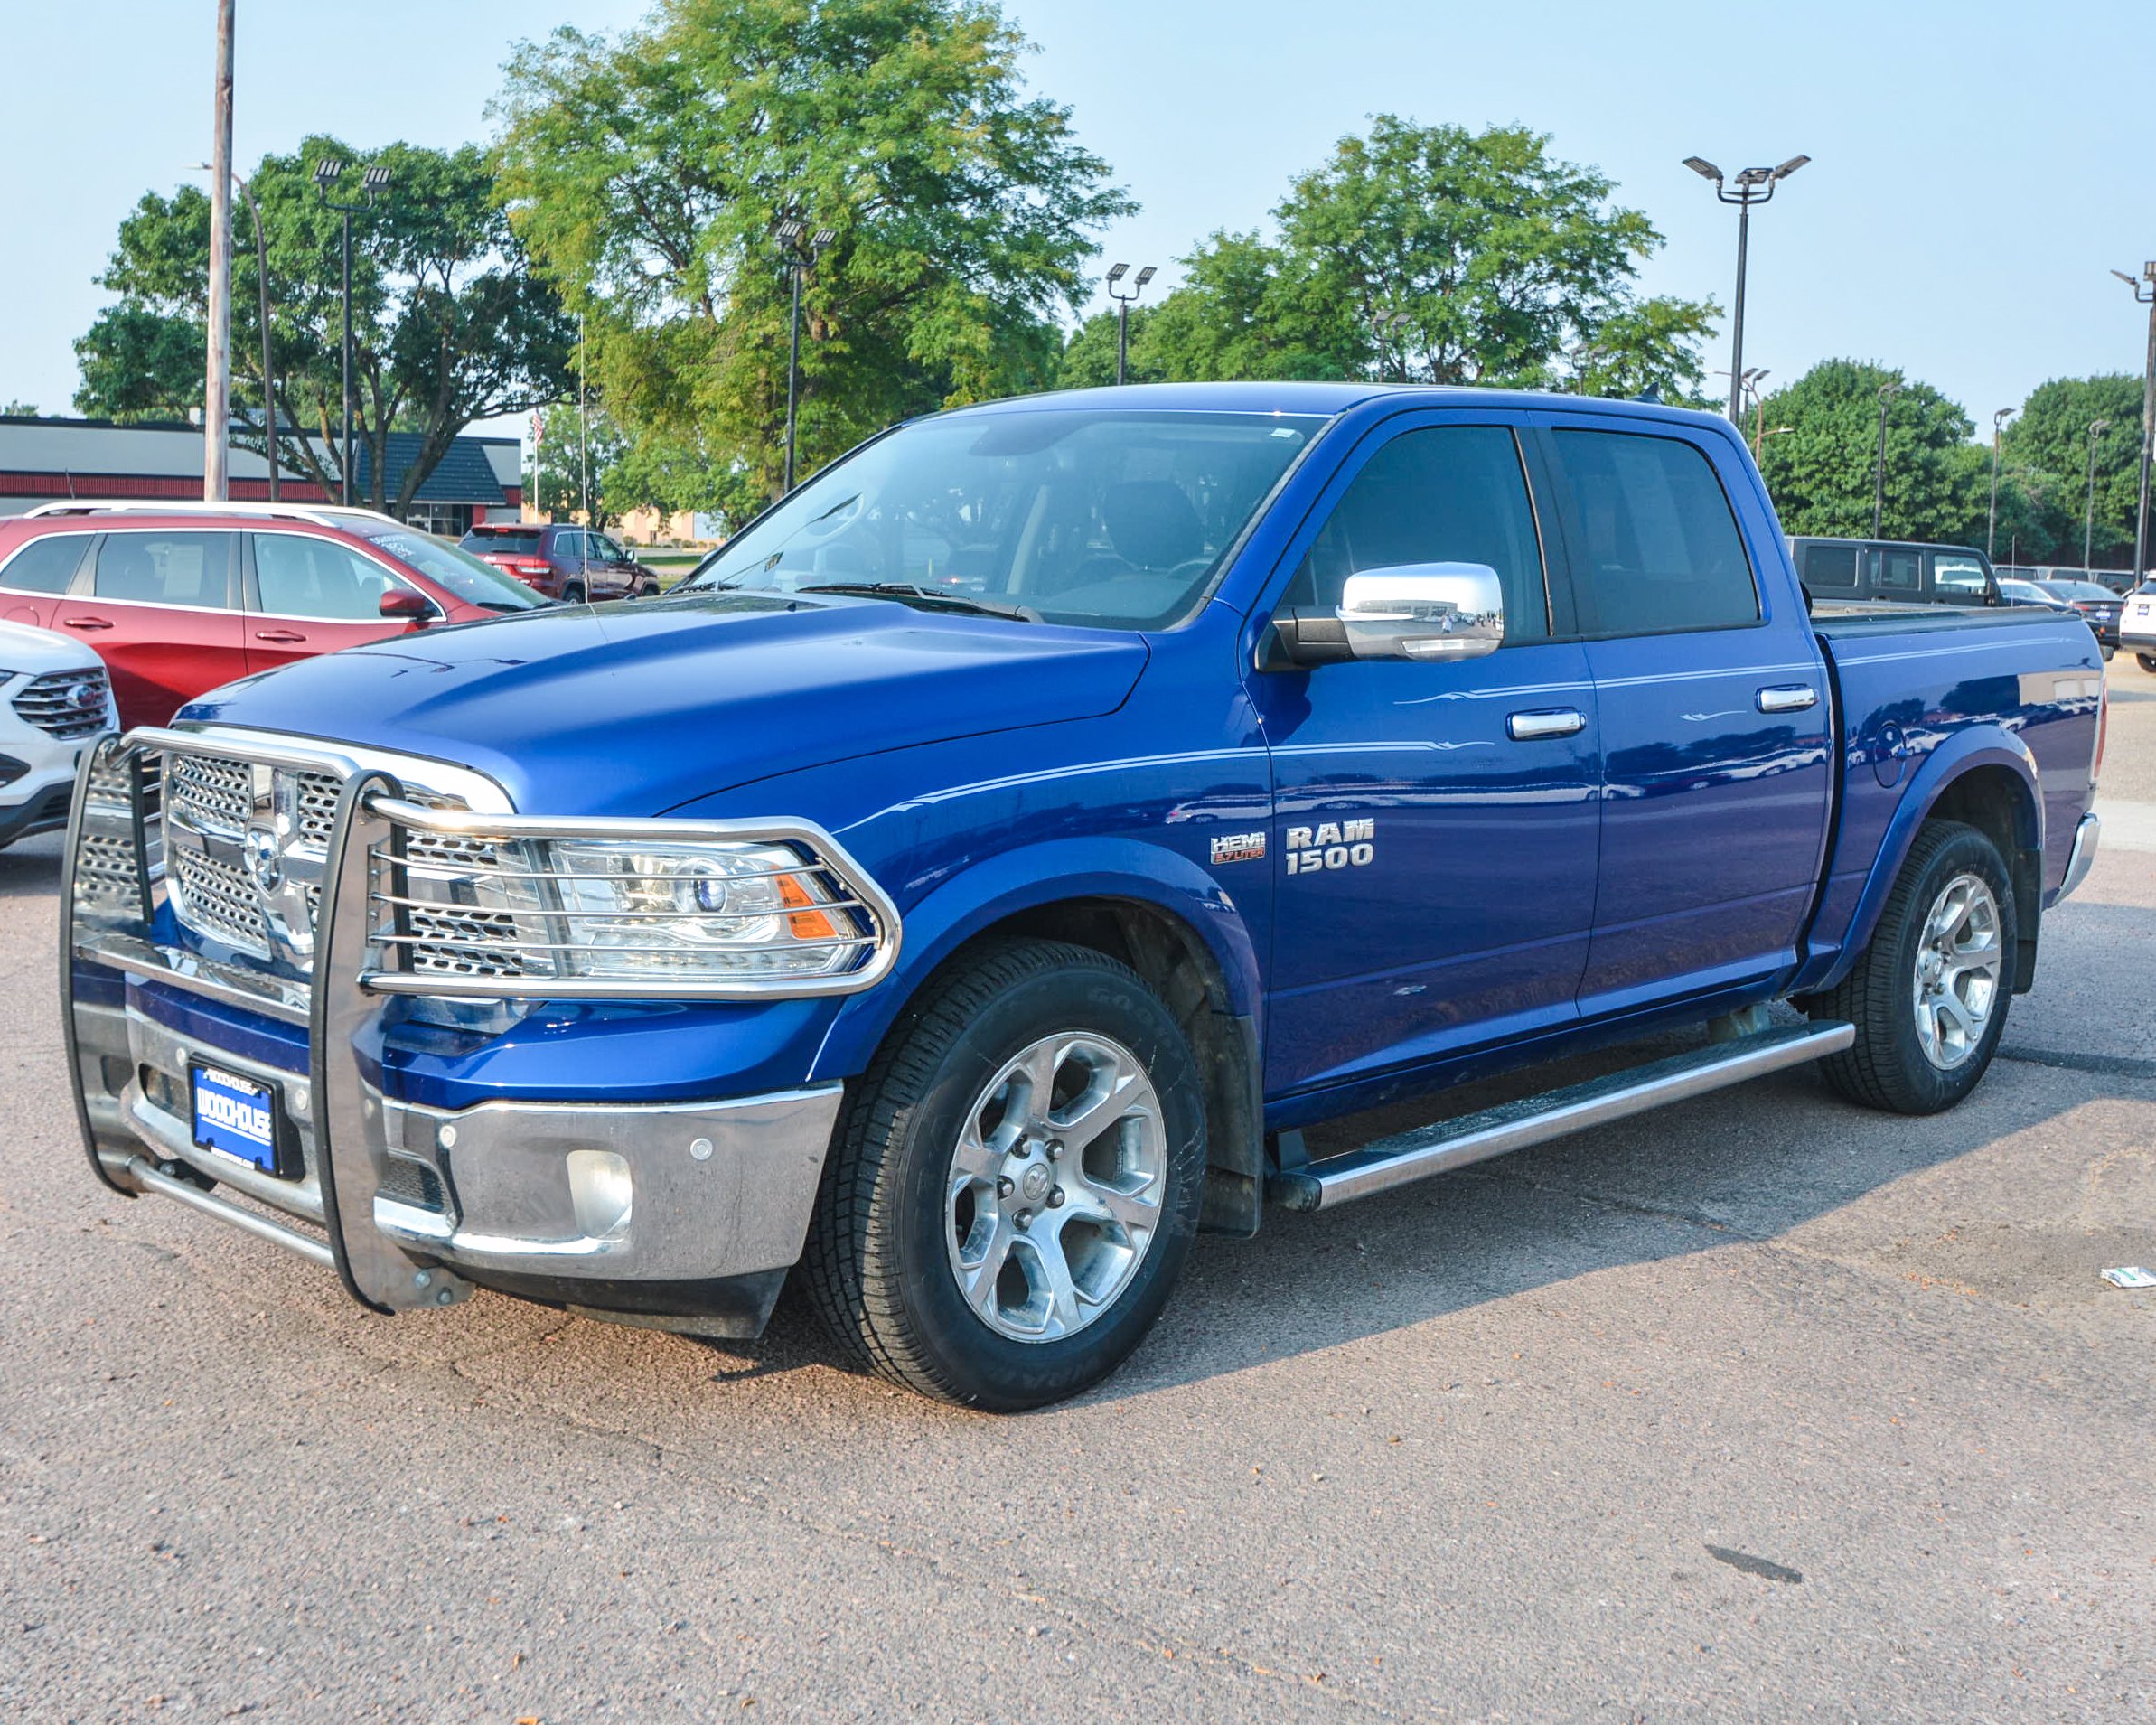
<point>373,182</point>
<point>1990,530</point>
<point>2144,292</point>
<point>801,248</point>
<point>1753,185</point>
<point>1886,392</point>
<point>1123,303</point>
<point>2096,428</point>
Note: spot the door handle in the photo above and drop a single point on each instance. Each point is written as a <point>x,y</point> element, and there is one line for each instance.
<point>1556,721</point>
<point>85,622</point>
<point>279,635</point>
<point>1787,697</point>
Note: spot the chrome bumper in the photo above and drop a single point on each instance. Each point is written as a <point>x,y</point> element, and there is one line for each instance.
<point>689,1211</point>
<point>2084,854</point>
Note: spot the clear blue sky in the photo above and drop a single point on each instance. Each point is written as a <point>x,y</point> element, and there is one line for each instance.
<point>1977,166</point>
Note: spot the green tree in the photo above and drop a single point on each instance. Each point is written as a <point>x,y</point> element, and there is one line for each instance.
<point>648,174</point>
<point>449,324</point>
<point>2045,456</point>
<point>1821,473</point>
<point>1506,266</point>
<point>1089,355</point>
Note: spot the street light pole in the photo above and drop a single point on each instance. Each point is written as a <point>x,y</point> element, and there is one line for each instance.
<point>1754,185</point>
<point>1990,529</point>
<point>373,182</point>
<point>2088,519</point>
<point>791,235</point>
<point>1886,392</point>
<point>2144,293</point>
<point>1123,301</point>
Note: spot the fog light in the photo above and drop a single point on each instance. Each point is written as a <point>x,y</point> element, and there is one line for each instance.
<point>600,1191</point>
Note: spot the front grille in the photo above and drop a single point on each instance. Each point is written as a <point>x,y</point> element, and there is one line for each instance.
<point>105,870</point>
<point>465,941</point>
<point>220,901</point>
<point>208,791</point>
<point>317,812</point>
<point>65,703</point>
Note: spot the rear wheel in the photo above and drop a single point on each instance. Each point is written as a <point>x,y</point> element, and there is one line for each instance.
<point>1929,994</point>
<point>1015,1184</point>
<point>573,594</point>
<point>2147,661</point>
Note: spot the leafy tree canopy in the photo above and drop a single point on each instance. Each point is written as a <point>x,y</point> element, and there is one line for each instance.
<point>1503,265</point>
<point>648,174</point>
<point>2045,464</point>
<point>1821,471</point>
<point>449,325</point>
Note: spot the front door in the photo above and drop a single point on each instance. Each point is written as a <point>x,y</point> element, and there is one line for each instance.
<point>1435,828</point>
<point>1715,718</point>
<point>311,594</point>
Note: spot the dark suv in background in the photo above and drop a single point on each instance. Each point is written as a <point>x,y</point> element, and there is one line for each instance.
<point>563,562</point>
<point>1902,571</point>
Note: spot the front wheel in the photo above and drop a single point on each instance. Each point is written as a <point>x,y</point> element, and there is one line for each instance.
<point>1015,1182</point>
<point>1929,994</point>
<point>2147,661</point>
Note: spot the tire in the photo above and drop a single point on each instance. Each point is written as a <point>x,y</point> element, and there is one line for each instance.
<point>573,594</point>
<point>1887,995</point>
<point>2147,661</point>
<point>908,1219</point>
<point>2106,652</point>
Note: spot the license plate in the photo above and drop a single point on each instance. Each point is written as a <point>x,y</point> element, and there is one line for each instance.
<point>236,1116</point>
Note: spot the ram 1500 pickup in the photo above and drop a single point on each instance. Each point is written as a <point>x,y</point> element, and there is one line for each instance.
<point>965,891</point>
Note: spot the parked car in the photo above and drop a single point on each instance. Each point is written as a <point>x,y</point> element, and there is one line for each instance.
<point>2137,625</point>
<point>178,598</point>
<point>2099,607</point>
<point>54,696</point>
<point>1298,748</point>
<point>1902,571</point>
<point>2017,592</point>
<point>573,564</point>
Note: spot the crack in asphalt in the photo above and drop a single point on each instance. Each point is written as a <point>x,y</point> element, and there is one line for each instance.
<point>2108,1066</point>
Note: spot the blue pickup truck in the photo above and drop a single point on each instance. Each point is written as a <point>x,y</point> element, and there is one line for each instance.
<point>970,885</point>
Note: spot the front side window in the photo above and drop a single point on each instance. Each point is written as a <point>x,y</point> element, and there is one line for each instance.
<point>451,566</point>
<point>1960,576</point>
<point>157,567</point>
<point>299,576</point>
<point>1441,494</point>
<point>46,564</point>
<point>1083,515</point>
<point>1659,548</point>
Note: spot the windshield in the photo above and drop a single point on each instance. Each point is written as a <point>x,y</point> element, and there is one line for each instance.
<point>2084,591</point>
<point>1108,519</point>
<point>459,571</point>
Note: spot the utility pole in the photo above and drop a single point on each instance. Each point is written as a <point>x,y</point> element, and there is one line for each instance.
<point>2144,293</point>
<point>1754,185</point>
<point>217,394</point>
<point>1886,392</point>
<point>2089,520</point>
<point>1991,529</point>
<point>582,431</point>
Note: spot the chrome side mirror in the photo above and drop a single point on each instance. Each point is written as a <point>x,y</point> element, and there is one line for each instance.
<point>1424,611</point>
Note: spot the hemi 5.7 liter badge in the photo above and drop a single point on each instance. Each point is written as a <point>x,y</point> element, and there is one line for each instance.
<point>1238,847</point>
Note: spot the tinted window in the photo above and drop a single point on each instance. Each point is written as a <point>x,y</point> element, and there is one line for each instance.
<point>46,564</point>
<point>606,550</point>
<point>524,544</point>
<point>1896,571</point>
<point>1660,549</point>
<point>1446,494</point>
<point>1961,576</point>
<point>1830,566</point>
<point>295,577</point>
<point>165,568</point>
<point>452,566</point>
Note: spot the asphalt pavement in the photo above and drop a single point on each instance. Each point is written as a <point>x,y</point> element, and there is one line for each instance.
<point>1761,1408</point>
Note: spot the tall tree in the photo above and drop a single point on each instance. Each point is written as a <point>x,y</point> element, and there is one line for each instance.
<point>2046,453</point>
<point>1823,472</point>
<point>1503,265</point>
<point>649,172</point>
<point>449,324</point>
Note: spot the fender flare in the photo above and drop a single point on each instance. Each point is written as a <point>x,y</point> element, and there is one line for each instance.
<point>1964,753</point>
<point>1034,877</point>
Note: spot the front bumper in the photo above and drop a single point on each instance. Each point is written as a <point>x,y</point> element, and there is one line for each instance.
<point>681,1213</point>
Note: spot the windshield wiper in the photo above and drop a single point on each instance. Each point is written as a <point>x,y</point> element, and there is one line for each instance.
<point>906,592</point>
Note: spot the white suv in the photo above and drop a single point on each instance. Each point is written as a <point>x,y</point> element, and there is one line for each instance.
<point>2137,624</point>
<point>54,696</point>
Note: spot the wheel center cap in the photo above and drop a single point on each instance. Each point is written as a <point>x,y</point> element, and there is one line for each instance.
<point>1034,1182</point>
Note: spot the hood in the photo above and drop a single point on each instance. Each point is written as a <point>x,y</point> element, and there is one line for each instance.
<point>26,648</point>
<point>635,709</point>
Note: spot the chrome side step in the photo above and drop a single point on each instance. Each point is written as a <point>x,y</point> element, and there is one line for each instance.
<point>1451,1144</point>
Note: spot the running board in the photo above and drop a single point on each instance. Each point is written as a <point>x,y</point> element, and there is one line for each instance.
<point>1535,1120</point>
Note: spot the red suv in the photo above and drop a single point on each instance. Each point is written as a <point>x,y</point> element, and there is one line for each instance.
<point>178,598</point>
<point>573,564</point>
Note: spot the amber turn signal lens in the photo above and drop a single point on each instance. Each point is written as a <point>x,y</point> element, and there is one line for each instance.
<point>804,924</point>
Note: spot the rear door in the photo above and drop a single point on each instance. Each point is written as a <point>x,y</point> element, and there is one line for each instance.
<point>161,610</point>
<point>1897,573</point>
<point>309,594</point>
<point>1714,713</point>
<point>32,580</point>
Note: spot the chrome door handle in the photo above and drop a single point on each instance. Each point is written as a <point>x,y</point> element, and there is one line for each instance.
<point>85,622</point>
<point>279,635</point>
<point>1787,697</point>
<point>1556,721</point>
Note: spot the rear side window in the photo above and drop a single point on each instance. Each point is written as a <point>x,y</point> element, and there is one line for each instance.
<point>46,564</point>
<point>165,568</point>
<point>1660,552</point>
<point>1443,494</point>
<point>297,577</point>
<point>1831,568</point>
<point>1898,571</point>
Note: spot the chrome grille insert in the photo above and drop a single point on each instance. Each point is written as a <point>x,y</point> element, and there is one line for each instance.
<point>220,901</point>
<point>214,794</point>
<point>65,703</point>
